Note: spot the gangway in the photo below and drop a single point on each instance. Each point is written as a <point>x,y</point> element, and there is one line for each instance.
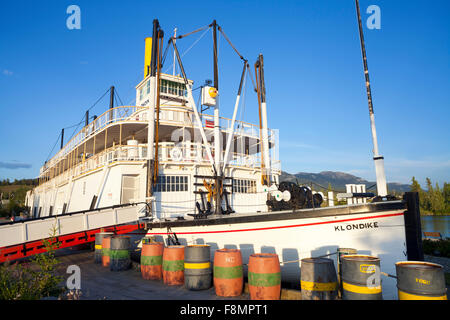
<point>25,238</point>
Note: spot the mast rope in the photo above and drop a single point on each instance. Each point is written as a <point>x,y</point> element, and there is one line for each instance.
<point>187,50</point>
<point>77,124</point>
<point>228,40</point>
<point>192,32</point>
<point>57,139</point>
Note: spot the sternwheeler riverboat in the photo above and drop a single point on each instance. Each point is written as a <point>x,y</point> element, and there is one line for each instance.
<point>193,177</point>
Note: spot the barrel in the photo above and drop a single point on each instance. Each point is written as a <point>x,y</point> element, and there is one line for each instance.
<point>418,280</point>
<point>197,267</point>
<point>106,250</point>
<point>151,260</point>
<point>264,276</point>
<point>228,272</point>
<point>360,279</point>
<point>318,279</point>
<point>98,253</point>
<point>120,253</point>
<point>342,252</point>
<point>148,239</point>
<point>173,265</point>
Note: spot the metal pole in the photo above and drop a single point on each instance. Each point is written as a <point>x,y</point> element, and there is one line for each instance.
<point>217,135</point>
<point>378,159</point>
<point>233,120</point>
<point>111,102</point>
<point>62,138</point>
<point>151,109</point>
<point>174,57</point>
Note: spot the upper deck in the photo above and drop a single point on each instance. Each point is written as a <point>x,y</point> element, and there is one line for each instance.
<point>108,137</point>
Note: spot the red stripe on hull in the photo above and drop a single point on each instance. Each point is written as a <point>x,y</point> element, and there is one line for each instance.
<point>282,227</point>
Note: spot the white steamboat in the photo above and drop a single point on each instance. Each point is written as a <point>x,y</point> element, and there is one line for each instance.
<point>204,178</point>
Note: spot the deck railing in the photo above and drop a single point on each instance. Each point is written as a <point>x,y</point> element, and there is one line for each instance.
<point>168,152</point>
<point>169,114</point>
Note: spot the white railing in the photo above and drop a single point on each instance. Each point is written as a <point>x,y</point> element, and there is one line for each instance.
<point>114,115</point>
<point>168,114</point>
<point>66,224</point>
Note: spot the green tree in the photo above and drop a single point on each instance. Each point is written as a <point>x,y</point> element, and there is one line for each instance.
<point>446,195</point>
<point>415,187</point>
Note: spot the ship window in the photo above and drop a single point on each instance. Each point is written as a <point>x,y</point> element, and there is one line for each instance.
<point>171,184</point>
<point>148,86</point>
<point>163,86</point>
<point>244,186</point>
<point>174,88</point>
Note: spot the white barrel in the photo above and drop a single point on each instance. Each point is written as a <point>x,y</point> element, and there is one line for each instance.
<point>133,150</point>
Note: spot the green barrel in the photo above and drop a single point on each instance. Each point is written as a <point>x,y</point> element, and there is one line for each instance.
<point>340,253</point>
<point>120,253</point>
<point>418,280</point>
<point>98,253</point>
<point>318,279</point>
<point>197,267</point>
<point>360,278</point>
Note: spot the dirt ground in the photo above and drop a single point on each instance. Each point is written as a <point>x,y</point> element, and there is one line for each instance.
<point>99,283</point>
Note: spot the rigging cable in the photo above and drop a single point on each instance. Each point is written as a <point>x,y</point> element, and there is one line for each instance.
<point>226,38</point>
<point>187,50</point>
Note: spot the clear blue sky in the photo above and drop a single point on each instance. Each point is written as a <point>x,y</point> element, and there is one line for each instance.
<point>49,76</point>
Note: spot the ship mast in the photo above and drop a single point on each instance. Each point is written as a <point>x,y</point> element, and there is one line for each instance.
<point>174,57</point>
<point>217,135</point>
<point>378,159</point>
<point>263,126</point>
<point>152,105</point>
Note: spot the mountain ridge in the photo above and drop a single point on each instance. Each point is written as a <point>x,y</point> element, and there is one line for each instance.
<point>338,180</point>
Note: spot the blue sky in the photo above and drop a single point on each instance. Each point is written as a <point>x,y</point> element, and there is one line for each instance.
<point>50,75</point>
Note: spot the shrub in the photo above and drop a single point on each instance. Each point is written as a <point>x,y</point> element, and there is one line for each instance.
<point>431,247</point>
<point>35,280</point>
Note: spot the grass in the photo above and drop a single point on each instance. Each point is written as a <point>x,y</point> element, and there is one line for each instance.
<point>431,247</point>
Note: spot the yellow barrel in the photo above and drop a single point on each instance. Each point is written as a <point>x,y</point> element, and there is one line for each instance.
<point>340,253</point>
<point>98,245</point>
<point>360,279</point>
<point>197,267</point>
<point>318,279</point>
<point>417,280</point>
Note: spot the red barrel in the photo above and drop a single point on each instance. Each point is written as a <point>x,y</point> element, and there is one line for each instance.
<point>228,273</point>
<point>173,265</point>
<point>151,260</point>
<point>264,276</point>
<point>106,250</point>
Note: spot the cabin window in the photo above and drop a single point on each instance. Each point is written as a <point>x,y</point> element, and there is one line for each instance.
<point>174,88</point>
<point>244,186</point>
<point>171,183</point>
<point>163,86</point>
<point>148,86</point>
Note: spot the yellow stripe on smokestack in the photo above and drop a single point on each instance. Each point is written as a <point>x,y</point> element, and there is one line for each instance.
<point>148,56</point>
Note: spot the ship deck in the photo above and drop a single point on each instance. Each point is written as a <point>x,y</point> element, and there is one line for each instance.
<point>342,210</point>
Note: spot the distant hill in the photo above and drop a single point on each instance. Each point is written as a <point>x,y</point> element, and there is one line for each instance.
<point>338,180</point>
